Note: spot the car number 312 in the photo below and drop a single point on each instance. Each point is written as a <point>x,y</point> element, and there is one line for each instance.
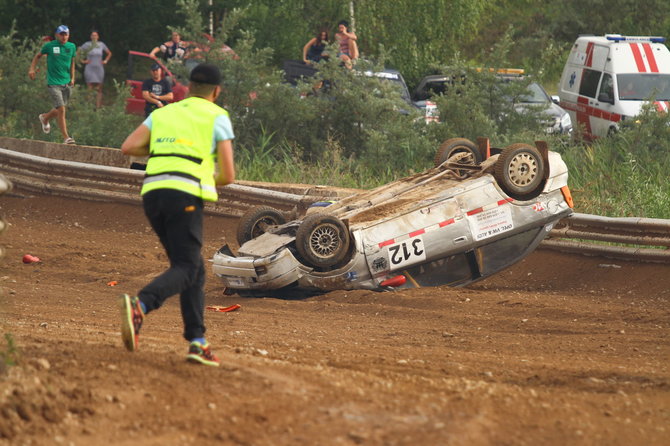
<point>407,252</point>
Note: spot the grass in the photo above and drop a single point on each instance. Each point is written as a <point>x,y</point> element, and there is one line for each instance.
<point>9,354</point>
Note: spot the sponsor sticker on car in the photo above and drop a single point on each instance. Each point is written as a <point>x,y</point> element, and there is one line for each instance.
<point>491,222</point>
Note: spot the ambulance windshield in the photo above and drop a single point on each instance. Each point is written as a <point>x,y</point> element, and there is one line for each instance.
<point>640,87</point>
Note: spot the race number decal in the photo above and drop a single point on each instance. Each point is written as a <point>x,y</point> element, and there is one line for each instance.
<point>407,252</point>
<point>491,223</point>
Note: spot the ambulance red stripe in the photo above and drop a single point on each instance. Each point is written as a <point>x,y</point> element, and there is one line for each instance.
<point>637,55</point>
<point>651,59</point>
<point>589,54</point>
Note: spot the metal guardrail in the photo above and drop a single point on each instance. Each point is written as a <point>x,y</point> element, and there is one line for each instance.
<point>627,238</point>
<point>105,183</point>
<point>638,239</point>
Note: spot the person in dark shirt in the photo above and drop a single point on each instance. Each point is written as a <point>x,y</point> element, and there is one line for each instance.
<point>313,51</point>
<point>156,90</point>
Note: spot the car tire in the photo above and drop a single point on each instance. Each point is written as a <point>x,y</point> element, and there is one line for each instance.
<point>255,221</point>
<point>322,240</point>
<point>519,171</point>
<point>453,146</point>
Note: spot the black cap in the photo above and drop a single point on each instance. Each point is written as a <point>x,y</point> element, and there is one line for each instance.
<point>155,67</point>
<point>206,73</point>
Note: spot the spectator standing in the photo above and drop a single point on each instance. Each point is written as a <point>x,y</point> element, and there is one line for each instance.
<point>185,141</point>
<point>156,91</point>
<point>95,56</point>
<point>60,78</point>
<point>313,50</point>
<point>174,49</point>
<point>348,48</point>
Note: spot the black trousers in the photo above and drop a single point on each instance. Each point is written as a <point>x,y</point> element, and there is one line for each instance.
<point>177,218</point>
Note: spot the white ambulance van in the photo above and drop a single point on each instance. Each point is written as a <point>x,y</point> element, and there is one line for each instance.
<point>607,80</point>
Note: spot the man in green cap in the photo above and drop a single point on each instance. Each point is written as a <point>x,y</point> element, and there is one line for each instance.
<point>60,78</point>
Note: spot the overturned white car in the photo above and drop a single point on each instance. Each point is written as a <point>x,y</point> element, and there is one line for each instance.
<point>479,210</point>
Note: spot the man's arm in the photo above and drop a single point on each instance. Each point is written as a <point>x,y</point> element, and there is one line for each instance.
<point>72,72</point>
<point>137,143</point>
<point>166,97</point>
<point>226,173</point>
<point>146,94</point>
<point>33,64</point>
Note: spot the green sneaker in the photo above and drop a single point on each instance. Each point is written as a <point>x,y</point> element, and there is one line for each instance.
<point>201,353</point>
<point>131,321</point>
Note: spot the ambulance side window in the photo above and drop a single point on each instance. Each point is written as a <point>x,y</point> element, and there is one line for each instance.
<point>606,89</point>
<point>589,85</point>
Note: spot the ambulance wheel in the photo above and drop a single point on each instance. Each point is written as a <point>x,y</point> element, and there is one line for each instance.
<point>519,171</point>
<point>255,222</point>
<point>322,240</point>
<point>466,148</point>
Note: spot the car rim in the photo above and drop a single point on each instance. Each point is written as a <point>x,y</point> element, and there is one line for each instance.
<point>324,241</point>
<point>522,169</point>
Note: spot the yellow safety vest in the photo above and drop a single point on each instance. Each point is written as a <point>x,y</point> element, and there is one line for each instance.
<point>181,153</point>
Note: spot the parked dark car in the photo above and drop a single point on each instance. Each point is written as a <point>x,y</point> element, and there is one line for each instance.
<point>295,70</point>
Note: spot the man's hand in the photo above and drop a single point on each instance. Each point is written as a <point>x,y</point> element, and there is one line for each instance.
<point>31,74</point>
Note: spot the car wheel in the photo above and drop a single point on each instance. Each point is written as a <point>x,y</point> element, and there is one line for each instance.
<point>519,171</point>
<point>455,146</point>
<point>322,240</point>
<point>255,222</point>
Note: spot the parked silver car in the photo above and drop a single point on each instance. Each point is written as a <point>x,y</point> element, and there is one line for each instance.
<point>479,210</point>
<point>554,118</point>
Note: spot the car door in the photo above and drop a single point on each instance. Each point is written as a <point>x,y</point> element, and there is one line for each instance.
<point>604,119</point>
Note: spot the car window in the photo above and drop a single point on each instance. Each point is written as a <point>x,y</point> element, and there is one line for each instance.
<point>606,89</point>
<point>589,84</point>
<point>436,88</point>
<point>535,95</point>
<point>639,87</point>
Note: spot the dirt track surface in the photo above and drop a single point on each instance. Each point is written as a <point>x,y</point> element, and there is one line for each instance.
<point>556,350</point>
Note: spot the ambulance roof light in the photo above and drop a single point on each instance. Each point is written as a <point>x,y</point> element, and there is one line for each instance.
<point>620,38</point>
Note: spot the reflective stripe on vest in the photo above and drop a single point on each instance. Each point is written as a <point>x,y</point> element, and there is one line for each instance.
<point>182,155</point>
<point>187,182</point>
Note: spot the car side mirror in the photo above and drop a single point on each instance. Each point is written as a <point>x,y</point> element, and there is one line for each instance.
<point>604,97</point>
<point>555,99</point>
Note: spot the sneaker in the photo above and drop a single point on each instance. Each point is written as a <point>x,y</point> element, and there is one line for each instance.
<point>202,354</point>
<point>46,127</point>
<point>68,140</point>
<point>131,321</point>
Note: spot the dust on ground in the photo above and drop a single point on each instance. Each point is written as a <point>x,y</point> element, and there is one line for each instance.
<point>556,350</point>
